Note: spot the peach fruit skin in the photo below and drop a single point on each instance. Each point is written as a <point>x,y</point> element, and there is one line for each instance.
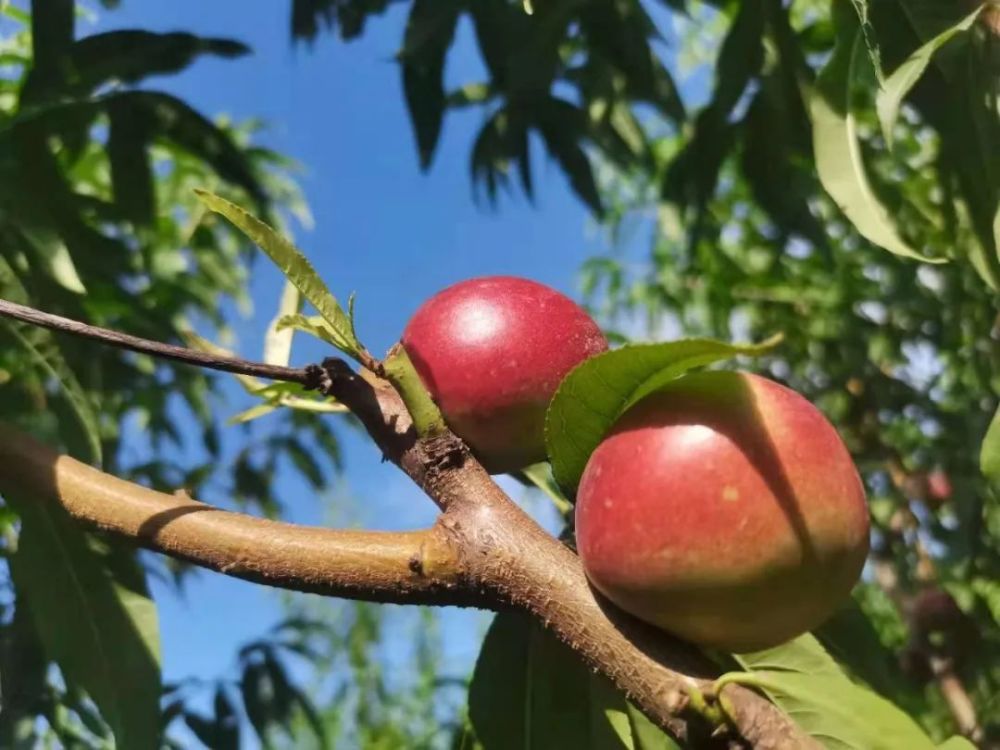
<point>492,352</point>
<point>725,510</point>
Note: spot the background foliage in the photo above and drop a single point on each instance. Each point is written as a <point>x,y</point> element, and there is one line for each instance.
<point>751,162</point>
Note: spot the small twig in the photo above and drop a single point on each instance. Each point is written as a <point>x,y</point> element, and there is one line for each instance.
<point>963,710</point>
<point>154,348</point>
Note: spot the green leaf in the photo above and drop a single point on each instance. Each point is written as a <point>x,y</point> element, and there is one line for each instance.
<point>837,151</point>
<point>52,363</point>
<point>531,692</point>
<point>540,476</point>
<point>304,462</point>
<point>646,735</point>
<point>597,392</point>
<point>54,255</point>
<point>52,23</point>
<point>869,36</point>
<point>849,636</point>
<point>296,268</point>
<point>314,325</point>
<point>131,165</point>
<point>564,129</point>
<point>956,743</point>
<point>94,616</point>
<point>429,32</point>
<point>277,341</point>
<point>897,86</point>
<point>175,120</point>
<point>802,680</point>
<point>254,412</point>
<point>250,384</point>
<point>227,725</point>
<point>129,55</point>
<point>256,690</point>
<point>989,456</point>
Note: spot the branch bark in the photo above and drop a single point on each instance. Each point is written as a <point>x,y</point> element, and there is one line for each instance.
<point>516,561</point>
<point>405,567</point>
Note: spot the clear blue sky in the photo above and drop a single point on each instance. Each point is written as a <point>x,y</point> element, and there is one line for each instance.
<point>383,230</point>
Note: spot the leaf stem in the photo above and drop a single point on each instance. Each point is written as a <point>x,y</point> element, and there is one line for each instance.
<point>399,371</point>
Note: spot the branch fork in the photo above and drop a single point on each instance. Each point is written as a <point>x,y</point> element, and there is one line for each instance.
<point>483,551</point>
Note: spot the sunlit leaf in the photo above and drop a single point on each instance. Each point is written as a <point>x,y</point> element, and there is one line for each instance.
<point>895,88</point>
<point>802,679</point>
<point>597,392</point>
<point>540,476</point>
<point>254,412</point>
<point>989,457</point>
<point>278,343</point>
<point>54,256</point>
<point>956,743</point>
<point>314,325</point>
<point>839,161</point>
<point>294,265</point>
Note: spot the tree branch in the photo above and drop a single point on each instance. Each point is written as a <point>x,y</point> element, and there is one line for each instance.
<point>154,348</point>
<point>416,567</point>
<point>484,550</point>
<point>511,557</point>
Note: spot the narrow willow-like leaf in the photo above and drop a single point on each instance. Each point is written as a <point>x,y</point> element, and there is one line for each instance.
<point>193,340</point>
<point>294,265</point>
<point>989,455</point>
<point>314,325</point>
<point>869,36</point>
<point>290,395</point>
<point>94,616</point>
<point>54,256</point>
<point>805,682</point>
<point>839,161</point>
<point>897,86</point>
<point>278,343</point>
<point>597,392</point>
<point>996,230</point>
<point>254,412</point>
<point>55,366</point>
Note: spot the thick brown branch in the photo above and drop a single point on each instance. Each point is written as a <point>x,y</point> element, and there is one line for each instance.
<point>484,550</point>
<point>154,348</point>
<point>506,553</point>
<point>405,567</point>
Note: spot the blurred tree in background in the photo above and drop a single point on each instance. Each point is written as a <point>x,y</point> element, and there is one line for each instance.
<point>831,133</point>
<point>785,164</point>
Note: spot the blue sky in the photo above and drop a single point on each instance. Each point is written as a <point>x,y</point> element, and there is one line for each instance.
<point>383,230</point>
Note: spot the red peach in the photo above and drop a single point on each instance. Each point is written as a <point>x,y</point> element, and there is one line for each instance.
<point>492,351</point>
<point>938,487</point>
<point>724,509</point>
